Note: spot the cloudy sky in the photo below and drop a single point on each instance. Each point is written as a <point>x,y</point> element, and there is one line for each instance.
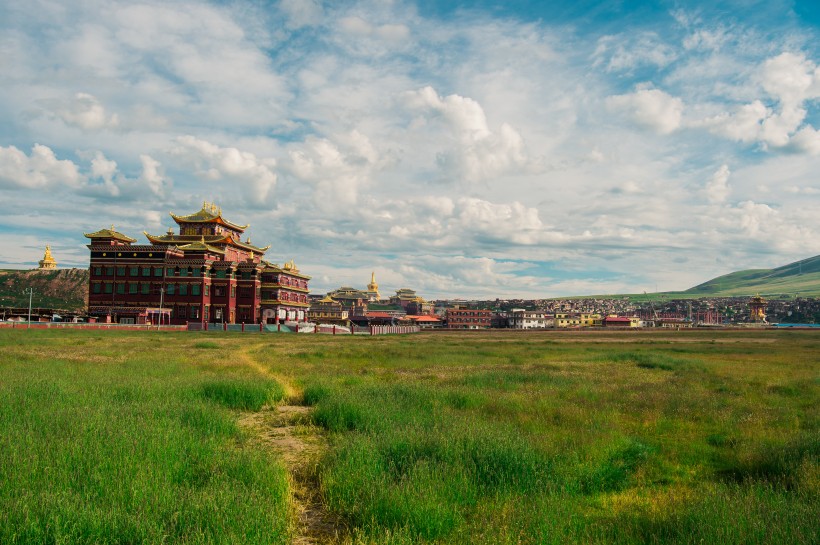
<point>464,149</point>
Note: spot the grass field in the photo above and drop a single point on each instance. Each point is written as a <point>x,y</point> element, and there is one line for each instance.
<point>558,437</point>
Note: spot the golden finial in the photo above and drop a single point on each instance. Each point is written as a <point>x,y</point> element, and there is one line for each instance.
<point>203,239</point>
<point>251,255</point>
<point>112,227</point>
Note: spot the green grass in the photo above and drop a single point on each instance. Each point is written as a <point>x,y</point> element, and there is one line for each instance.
<point>128,439</point>
<point>552,437</point>
<point>557,438</point>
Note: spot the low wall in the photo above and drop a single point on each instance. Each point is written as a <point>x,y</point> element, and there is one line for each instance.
<point>71,325</point>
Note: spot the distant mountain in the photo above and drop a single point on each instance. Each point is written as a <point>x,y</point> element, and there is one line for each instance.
<point>64,289</point>
<point>801,278</point>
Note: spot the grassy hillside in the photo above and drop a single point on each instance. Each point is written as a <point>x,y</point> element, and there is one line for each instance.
<point>798,279</point>
<point>801,278</point>
<point>65,289</point>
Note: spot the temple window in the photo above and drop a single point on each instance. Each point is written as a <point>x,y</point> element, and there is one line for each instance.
<point>182,311</point>
<point>195,312</point>
<point>121,288</point>
<point>207,289</point>
<point>120,271</point>
<point>109,287</point>
<point>146,271</point>
<point>219,291</point>
<point>96,287</point>
<point>169,289</point>
<point>134,271</point>
<point>183,289</point>
<point>145,289</point>
<point>195,289</point>
<point>220,273</point>
<point>158,271</point>
<point>97,271</point>
<point>109,271</point>
<point>169,271</point>
<point>132,287</point>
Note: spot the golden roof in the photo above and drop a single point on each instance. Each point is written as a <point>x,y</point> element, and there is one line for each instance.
<point>201,246</point>
<point>210,213</point>
<point>226,239</point>
<point>109,233</point>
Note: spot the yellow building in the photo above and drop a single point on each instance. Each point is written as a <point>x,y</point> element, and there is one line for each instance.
<point>328,311</point>
<point>47,262</point>
<point>583,319</point>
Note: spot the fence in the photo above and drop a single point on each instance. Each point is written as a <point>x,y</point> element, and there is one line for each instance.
<point>304,327</point>
<point>85,325</point>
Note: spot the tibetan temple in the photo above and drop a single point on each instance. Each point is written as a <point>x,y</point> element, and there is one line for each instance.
<point>206,273</point>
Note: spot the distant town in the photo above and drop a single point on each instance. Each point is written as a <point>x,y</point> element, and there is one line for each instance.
<point>206,275</point>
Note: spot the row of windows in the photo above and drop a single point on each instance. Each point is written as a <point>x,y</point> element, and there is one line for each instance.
<point>170,271</point>
<point>471,320</point>
<point>146,288</point>
<point>466,313</point>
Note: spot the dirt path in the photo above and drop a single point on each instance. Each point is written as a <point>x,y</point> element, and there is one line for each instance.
<point>286,429</point>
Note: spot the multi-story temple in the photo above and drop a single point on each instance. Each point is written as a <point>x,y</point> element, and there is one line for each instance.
<point>205,273</point>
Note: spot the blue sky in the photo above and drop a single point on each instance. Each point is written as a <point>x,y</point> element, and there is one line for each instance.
<point>464,149</point>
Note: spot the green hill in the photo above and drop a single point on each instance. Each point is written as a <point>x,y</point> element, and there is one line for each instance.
<point>64,289</point>
<point>801,278</point>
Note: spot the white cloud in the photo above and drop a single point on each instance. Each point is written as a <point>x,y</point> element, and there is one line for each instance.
<point>481,153</point>
<point>86,112</point>
<point>39,170</point>
<point>789,80</point>
<point>153,176</point>
<point>650,108</point>
<point>717,189</point>
<point>337,168</point>
<point>256,177</point>
<point>631,51</point>
<point>807,140</point>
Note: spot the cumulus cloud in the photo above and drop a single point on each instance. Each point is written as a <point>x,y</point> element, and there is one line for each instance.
<point>649,108</point>
<point>481,153</point>
<point>39,170</point>
<point>337,168</point>
<point>153,176</point>
<point>256,177</point>
<point>115,184</point>
<point>86,112</point>
<point>788,80</point>
<point>717,189</point>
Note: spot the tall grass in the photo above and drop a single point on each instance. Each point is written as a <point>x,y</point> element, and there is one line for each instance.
<point>482,440</point>
<point>102,442</point>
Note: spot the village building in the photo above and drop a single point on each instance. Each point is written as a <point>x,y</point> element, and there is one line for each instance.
<point>464,318</point>
<point>328,311</point>
<point>622,321</point>
<point>519,318</point>
<point>204,273</point>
